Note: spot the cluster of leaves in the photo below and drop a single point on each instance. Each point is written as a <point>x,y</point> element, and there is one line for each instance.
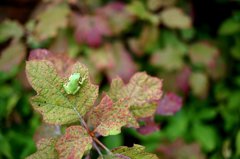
<point>121,106</point>
<point>120,38</point>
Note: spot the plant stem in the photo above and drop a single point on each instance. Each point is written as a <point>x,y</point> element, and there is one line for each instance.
<point>98,150</point>
<point>83,123</point>
<point>102,145</point>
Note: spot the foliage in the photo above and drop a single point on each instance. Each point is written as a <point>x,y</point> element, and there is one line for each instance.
<point>193,47</point>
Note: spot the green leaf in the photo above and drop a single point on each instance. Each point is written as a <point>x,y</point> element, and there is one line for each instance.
<point>12,56</point>
<point>175,18</point>
<point>238,143</point>
<point>135,152</point>
<point>74,143</point>
<point>205,135</point>
<point>229,27</point>
<point>10,29</point>
<point>56,106</point>
<point>50,21</point>
<point>142,91</point>
<point>109,117</point>
<point>46,149</point>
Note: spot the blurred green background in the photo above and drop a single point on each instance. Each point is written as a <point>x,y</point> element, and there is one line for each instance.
<point>193,45</point>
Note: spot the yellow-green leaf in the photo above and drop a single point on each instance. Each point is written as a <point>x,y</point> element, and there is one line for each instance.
<point>45,149</point>
<point>135,152</point>
<point>10,29</point>
<point>56,106</point>
<point>74,143</point>
<point>50,21</point>
<point>175,18</point>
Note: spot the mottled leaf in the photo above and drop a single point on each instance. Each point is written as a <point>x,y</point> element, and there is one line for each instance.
<point>175,18</point>
<point>45,149</point>
<point>169,104</point>
<point>56,106</point>
<point>10,29</point>
<point>74,143</point>
<point>109,117</point>
<point>50,21</point>
<point>135,152</point>
<point>180,150</point>
<point>12,56</point>
<point>61,62</point>
<point>142,91</point>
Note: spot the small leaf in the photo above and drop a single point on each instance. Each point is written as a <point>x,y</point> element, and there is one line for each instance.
<point>56,106</point>
<point>50,21</point>
<point>74,143</point>
<point>90,29</point>
<point>169,104</point>
<point>149,127</point>
<point>135,152</point>
<point>169,58</point>
<point>199,84</point>
<point>229,27</point>
<point>142,92</point>
<point>175,18</point>
<point>12,56</point>
<point>180,150</point>
<point>109,117</point>
<point>46,149</point>
<point>10,29</point>
<point>203,53</point>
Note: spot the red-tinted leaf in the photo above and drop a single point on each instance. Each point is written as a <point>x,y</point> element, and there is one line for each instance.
<point>180,150</point>
<point>149,127</point>
<point>169,104</point>
<point>74,143</point>
<point>182,79</point>
<point>117,16</point>
<point>90,29</point>
<point>61,62</point>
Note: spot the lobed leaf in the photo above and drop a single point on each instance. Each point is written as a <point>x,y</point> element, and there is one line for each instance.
<point>142,91</point>
<point>175,18</point>
<point>109,117</point>
<point>10,29</point>
<point>74,143</point>
<point>56,106</point>
<point>135,152</point>
<point>45,149</point>
<point>50,21</point>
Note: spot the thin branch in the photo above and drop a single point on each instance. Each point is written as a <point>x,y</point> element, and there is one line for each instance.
<point>98,150</point>
<point>83,123</point>
<point>102,145</point>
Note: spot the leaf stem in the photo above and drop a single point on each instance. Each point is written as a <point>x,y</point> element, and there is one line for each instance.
<point>102,145</point>
<point>83,123</point>
<point>98,150</point>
